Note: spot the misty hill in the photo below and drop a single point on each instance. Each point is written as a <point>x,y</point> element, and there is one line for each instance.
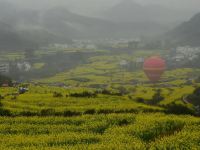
<point>125,11</point>
<point>188,33</point>
<point>130,11</point>
<point>11,39</point>
<point>142,20</point>
<point>63,22</point>
<point>29,29</point>
<point>7,36</point>
<point>14,39</point>
<point>21,29</point>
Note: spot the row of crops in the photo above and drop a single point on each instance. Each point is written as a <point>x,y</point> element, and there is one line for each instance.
<point>121,131</point>
<point>57,101</point>
<point>78,115</point>
<point>42,102</point>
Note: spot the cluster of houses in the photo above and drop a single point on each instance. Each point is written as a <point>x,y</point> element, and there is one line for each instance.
<point>90,44</point>
<point>179,57</point>
<point>23,66</point>
<point>121,43</point>
<point>182,55</point>
<point>132,65</point>
<point>187,53</point>
<point>6,67</point>
<point>87,44</point>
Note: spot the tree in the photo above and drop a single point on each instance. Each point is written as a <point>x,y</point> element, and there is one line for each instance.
<point>195,97</point>
<point>157,97</point>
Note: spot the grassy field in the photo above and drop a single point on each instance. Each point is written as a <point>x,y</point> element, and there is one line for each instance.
<point>121,131</point>
<point>100,105</point>
<point>105,72</point>
<point>42,99</point>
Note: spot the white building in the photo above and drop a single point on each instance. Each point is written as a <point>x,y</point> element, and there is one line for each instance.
<point>179,58</point>
<point>4,68</point>
<point>91,46</point>
<point>187,53</point>
<point>139,61</point>
<point>123,63</point>
<point>60,46</point>
<point>24,66</point>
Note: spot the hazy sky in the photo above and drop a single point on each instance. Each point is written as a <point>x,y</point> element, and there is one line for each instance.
<point>101,4</point>
<point>89,7</point>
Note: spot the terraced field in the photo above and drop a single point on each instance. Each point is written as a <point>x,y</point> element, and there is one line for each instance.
<point>101,105</point>
<point>121,131</point>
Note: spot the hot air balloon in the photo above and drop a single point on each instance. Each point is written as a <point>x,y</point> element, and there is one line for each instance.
<point>154,67</point>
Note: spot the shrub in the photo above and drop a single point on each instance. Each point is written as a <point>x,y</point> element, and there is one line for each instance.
<point>57,94</point>
<point>106,92</point>
<point>80,79</point>
<point>140,100</point>
<point>197,91</point>
<point>123,122</point>
<point>99,128</point>
<point>13,97</point>
<point>144,91</point>
<point>28,113</point>
<point>194,98</point>
<point>123,91</point>
<point>130,97</point>
<point>132,110</point>
<point>1,105</point>
<point>1,97</point>
<point>84,94</point>
<point>90,111</point>
<point>68,113</point>
<point>47,112</point>
<point>157,97</point>
<point>4,112</point>
<point>179,109</point>
<point>160,129</point>
<point>105,111</point>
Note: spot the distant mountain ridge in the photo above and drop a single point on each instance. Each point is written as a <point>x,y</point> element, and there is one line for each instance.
<point>188,33</point>
<point>29,29</point>
<point>22,29</point>
<point>58,25</point>
<point>62,21</point>
<point>131,11</point>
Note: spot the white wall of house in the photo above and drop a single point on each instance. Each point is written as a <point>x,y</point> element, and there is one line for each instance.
<point>4,68</point>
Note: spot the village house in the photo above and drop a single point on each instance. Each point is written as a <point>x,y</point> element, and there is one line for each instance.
<point>91,46</point>
<point>4,68</point>
<point>139,62</point>
<point>61,46</point>
<point>188,52</point>
<point>24,66</point>
<point>182,55</point>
